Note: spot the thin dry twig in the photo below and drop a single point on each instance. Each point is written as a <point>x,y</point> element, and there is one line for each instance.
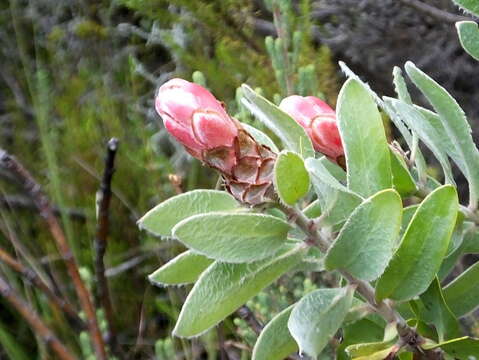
<point>32,277</point>
<point>42,331</point>
<point>101,243</point>
<point>43,204</point>
<point>23,202</point>
<point>433,11</point>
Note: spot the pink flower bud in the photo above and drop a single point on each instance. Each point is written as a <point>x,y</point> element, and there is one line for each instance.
<point>194,117</point>
<point>319,121</point>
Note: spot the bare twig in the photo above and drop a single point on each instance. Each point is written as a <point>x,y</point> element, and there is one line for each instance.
<point>23,202</point>
<point>41,201</point>
<point>41,330</point>
<point>32,277</point>
<point>433,11</point>
<point>134,213</point>
<point>103,206</point>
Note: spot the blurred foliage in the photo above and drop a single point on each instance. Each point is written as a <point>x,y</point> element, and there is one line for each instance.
<point>73,75</point>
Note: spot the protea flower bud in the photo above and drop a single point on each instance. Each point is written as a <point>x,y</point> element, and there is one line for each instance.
<point>319,121</point>
<point>197,120</point>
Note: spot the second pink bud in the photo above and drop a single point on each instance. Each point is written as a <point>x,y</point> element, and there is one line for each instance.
<point>319,121</point>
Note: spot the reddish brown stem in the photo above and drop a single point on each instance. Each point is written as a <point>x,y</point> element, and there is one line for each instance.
<point>103,206</point>
<point>41,330</point>
<point>33,278</point>
<point>43,204</point>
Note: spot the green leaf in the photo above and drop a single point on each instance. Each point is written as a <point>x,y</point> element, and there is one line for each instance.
<point>466,246</point>
<point>471,240</point>
<point>183,269</point>
<point>291,180</point>
<point>364,140</point>
<point>223,288</point>
<point>366,242</point>
<point>260,137</point>
<point>406,356</point>
<point>334,169</point>
<point>407,215</point>
<point>336,201</point>
<point>275,342</point>
<point>422,248</point>
<point>468,32</point>
<point>464,348</point>
<point>426,132</point>
<point>162,218</point>
<point>444,139</point>
<point>289,131</point>
<point>234,238</point>
<point>406,134</point>
<point>364,330</point>
<point>471,6</point>
<point>403,181</point>
<point>317,317</point>
<point>370,351</point>
<point>400,86</point>
<point>455,124</point>
<point>313,210</point>
<point>462,294</point>
<point>433,310</point>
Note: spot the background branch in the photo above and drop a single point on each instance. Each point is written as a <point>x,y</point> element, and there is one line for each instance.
<point>434,12</point>
<point>103,206</point>
<point>33,278</point>
<point>41,201</point>
<point>42,331</point>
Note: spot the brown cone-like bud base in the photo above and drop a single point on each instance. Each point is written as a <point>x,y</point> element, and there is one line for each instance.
<point>247,168</point>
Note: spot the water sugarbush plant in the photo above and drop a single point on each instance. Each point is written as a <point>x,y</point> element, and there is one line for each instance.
<point>390,255</point>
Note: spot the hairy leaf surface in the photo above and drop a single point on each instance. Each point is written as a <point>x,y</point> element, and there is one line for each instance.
<point>291,180</point>
<point>455,124</point>
<point>292,135</point>
<point>317,317</point>
<point>162,218</point>
<point>366,242</point>
<point>468,32</point>
<point>275,342</point>
<point>364,140</point>
<point>233,238</point>
<point>223,288</point>
<point>183,269</point>
<point>422,248</point>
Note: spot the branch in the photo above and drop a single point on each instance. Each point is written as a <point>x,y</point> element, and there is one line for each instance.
<point>41,201</point>
<point>433,11</point>
<point>33,278</point>
<point>42,331</point>
<point>103,203</point>
<point>407,335</point>
<point>22,202</point>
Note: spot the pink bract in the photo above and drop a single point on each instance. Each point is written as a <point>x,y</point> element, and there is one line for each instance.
<point>319,121</point>
<point>194,116</point>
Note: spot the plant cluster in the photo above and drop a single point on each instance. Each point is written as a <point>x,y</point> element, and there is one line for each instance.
<point>390,231</point>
